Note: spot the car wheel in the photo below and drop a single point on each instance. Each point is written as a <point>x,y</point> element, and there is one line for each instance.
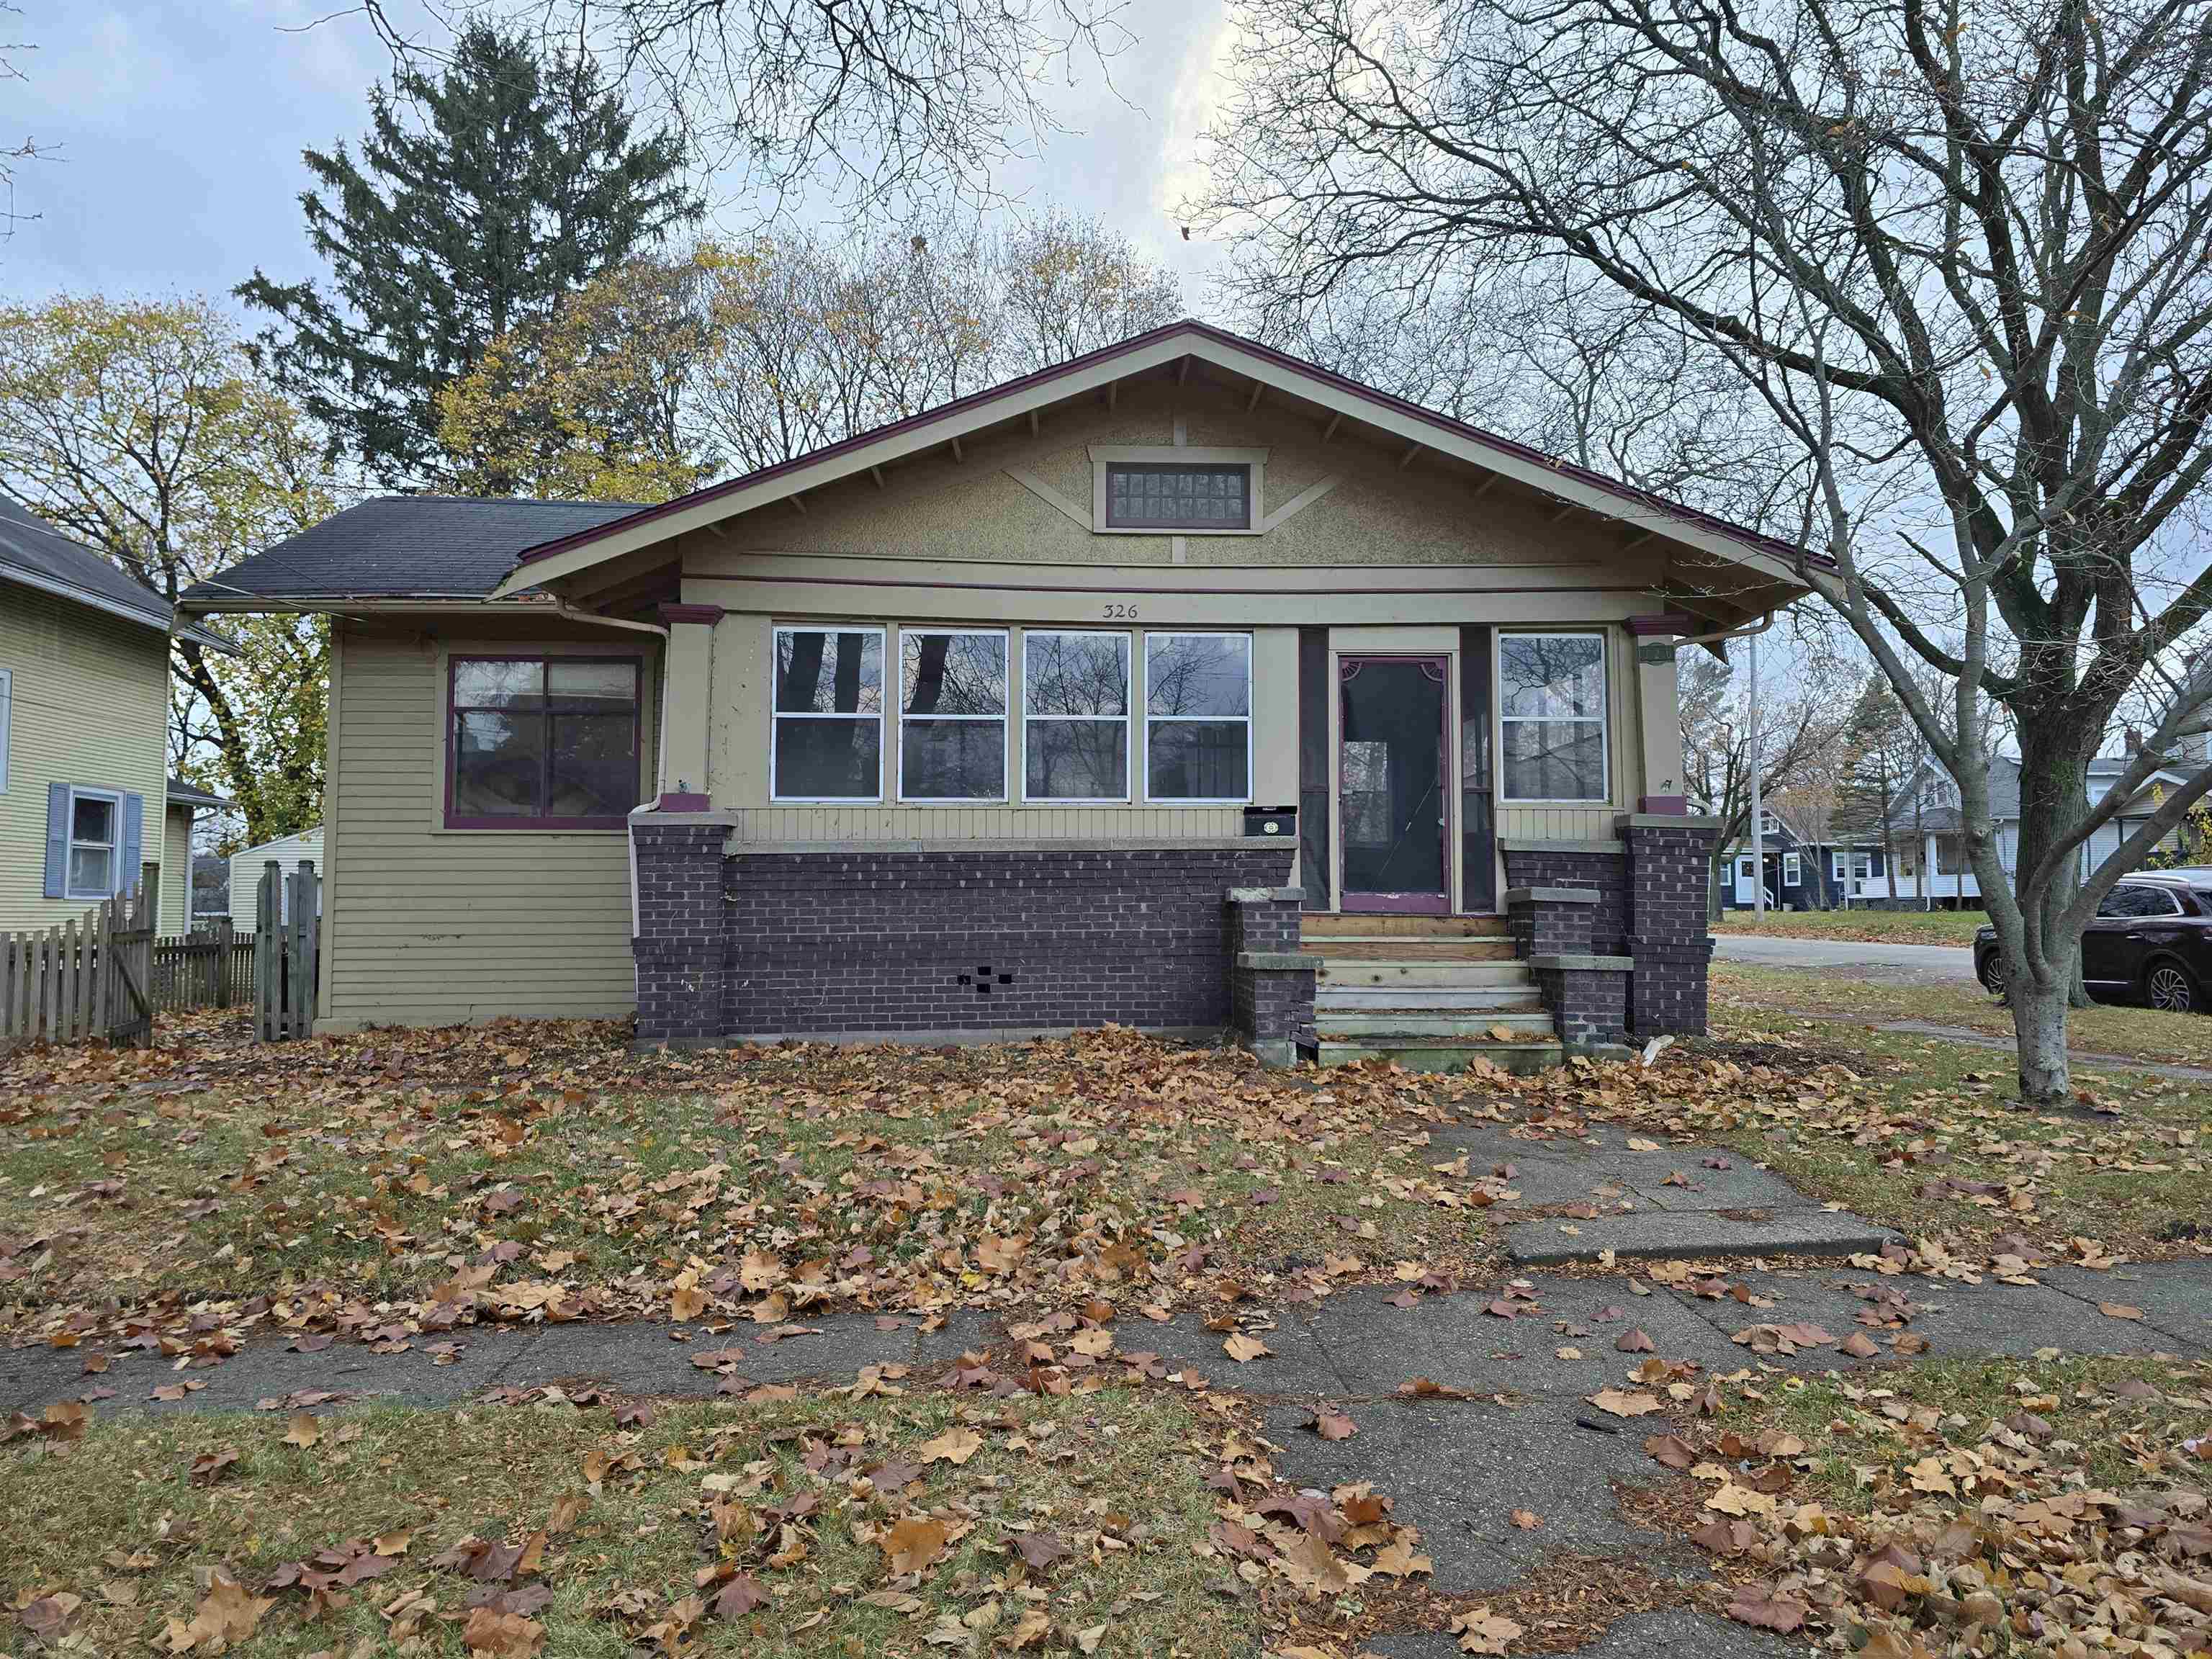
<point>2167,986</point>
<point>1991,972</point>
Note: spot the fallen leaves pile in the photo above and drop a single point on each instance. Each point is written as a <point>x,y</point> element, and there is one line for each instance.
<point>2051,1508</point>
<point>397,1186</point>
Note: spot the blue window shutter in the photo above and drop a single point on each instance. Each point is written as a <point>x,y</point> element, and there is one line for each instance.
<point>134,815</point>
<point>58,829</point>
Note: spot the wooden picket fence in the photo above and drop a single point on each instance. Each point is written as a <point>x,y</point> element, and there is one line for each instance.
<point>83,979</point>
<point>212,968</point>
<point>287,915</point>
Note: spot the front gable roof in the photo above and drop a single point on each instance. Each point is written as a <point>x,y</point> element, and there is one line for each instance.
<point>1776,567</point>
<point>36,555</point>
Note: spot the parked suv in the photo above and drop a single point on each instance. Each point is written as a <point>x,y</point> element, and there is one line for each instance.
<point>2150,942</point>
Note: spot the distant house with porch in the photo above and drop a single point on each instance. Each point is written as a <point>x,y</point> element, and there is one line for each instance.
<point>1925,827</point>
<point>1801,873</point>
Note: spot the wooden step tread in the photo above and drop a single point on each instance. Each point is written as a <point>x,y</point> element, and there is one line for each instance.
<point>1329,924</point>
<point>1410,950</point>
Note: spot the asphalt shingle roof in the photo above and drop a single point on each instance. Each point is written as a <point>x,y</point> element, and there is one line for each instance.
<point>31,548</point>
<point>181,793</point>
<point>406,546</point>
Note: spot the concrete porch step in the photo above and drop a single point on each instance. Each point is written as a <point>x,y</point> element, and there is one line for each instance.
<point>1359,925</point>
<point>1503,973</point>
<point>1450,999</point>
<point>1424,1053</point>
<point>1392,948</point>
<point>1420,1024</point>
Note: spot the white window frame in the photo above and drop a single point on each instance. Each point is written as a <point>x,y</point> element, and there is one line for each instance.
<point>114,844</point>
<point>1743,868</point>
<point>1769,826</point>
<point>1002,719</point>
<point>1839,866</point>
<point>1129,696</point>
<point>1145,753</point>
<point>1604,720</point>
<point>1793,870</point>
<point>1103,455</point>
<point>776,717</point>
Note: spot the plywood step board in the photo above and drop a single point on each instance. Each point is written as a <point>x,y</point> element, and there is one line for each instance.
<point>1317,924</point>
<point>1390,948</point>
<point>1419,1054</point>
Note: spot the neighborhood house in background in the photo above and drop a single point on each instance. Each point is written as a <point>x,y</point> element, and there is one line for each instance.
<point>246,865</point>
<point>87,808</point>
<point>981,721</point>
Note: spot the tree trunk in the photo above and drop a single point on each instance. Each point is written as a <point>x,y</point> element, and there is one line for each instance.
<point>2054,797</point>
<point>2039,1020</point>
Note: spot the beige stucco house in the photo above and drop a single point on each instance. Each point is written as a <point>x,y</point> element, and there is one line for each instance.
<point>85,798</point>
<point>1162,687</point>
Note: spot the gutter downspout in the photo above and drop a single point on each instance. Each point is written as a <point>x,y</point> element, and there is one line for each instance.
<point>563,608</point>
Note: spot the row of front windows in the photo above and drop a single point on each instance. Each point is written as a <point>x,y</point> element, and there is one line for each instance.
<point>946,729</point>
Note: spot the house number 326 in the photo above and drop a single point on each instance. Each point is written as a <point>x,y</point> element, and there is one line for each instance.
<point>1117,611</point>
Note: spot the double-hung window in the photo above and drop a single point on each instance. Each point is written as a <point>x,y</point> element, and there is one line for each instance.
<point>1075,716</point>
<point>1793,871</point>
<point>1198,717</point>
<point>95,827</point>
<point>828,742</point>
<point>543,742</point>
<point>952,714</point>
<point>1552,712</point>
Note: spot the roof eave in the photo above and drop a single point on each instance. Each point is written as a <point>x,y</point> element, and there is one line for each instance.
<point>71,591</point>
<point>1408,422</point>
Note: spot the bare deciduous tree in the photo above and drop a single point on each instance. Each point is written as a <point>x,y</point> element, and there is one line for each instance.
<point>1961,259</point>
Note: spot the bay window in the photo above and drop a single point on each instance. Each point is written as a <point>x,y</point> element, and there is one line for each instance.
<point>1552,712</point>
<point>827,742</point>
<point>1075,716</point>
<point>1198,717</point>
<point>952,715</point>
<point>542,742</point>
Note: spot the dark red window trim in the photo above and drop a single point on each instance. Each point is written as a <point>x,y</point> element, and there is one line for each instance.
<point>515,821</point>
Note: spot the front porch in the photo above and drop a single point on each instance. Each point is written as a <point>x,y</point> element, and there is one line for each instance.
<point>1433,993</point>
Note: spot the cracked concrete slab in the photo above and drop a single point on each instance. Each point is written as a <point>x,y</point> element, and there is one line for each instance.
<point>1457,1470</point>
<point>1806,1230</point>
<point>2175,1297</point>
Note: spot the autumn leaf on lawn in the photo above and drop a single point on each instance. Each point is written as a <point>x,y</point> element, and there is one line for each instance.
<point>1928,1474</point>
<point>913,1543</point>
<point>1616,1403</point>
<point>1332,1426</point>
<point>1671,1449</point>
<point>495,1635</point>
<point>227,1615</point>
<point>304,1430</point>
<point>1241,1348</point>
<point>1039,1549</point>
<point>1481,1630</point>
<point>956,1446</point>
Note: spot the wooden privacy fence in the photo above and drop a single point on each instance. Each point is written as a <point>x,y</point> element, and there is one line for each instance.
<point>211,969</point>
<point>82,979</point>
<point>287,916</point>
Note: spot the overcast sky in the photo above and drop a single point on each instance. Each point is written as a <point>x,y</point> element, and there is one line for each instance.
<point>176,130</point>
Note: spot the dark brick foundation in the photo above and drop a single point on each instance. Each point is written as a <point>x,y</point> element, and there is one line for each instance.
<point>760,942</point>
<point>1604,873</point>
<point>1650,909</point>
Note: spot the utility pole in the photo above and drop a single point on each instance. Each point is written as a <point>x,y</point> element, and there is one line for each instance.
<point>1758,805</point>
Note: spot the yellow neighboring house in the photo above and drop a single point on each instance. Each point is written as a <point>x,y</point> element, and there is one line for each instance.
<point>84,710</point>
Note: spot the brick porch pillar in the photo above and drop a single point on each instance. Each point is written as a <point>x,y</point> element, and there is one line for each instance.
<point>1670,863</point>
<point>1271,985</point>
<point>678,945</point>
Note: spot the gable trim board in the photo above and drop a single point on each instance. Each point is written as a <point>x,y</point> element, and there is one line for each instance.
<point>722,909</point>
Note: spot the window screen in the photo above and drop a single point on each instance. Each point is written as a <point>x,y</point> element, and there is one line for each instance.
<point>1075,716</point>
<point>952,715</point>
<point>1178,497</point>
<point>1198,726</point>
<point>1551,716</point>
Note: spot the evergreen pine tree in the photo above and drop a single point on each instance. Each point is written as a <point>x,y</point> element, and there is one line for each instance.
<point>478,201</point>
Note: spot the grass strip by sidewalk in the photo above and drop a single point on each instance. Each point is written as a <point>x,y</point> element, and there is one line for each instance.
<point>1878,926</point>
<point>2142,1034</point>
<point>895,1524</point>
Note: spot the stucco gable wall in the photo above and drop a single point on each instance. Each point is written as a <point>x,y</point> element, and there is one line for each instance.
<point>937,507</point>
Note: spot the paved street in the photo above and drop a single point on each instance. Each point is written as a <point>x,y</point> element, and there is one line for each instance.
<point>1885,964</point>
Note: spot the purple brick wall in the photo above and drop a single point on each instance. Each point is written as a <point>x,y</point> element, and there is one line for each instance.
<point>1604,873</point>
<point>1272,1008</point>
<point>860,939</point>
<point>1670,865</point>
<point>1589,1005</point>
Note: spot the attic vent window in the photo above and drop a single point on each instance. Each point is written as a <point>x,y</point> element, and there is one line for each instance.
<point>1159,496</point>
